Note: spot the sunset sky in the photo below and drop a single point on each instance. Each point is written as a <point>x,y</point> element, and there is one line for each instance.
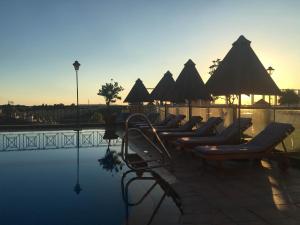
<point>130,39</point>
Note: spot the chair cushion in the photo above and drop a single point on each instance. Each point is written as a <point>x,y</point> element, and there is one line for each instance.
<point>227,149</point>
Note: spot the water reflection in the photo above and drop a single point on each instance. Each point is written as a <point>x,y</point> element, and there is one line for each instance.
<point>77,187</point>
<point>111,161</point>
<point>85,191</point>
<point>145,206</point>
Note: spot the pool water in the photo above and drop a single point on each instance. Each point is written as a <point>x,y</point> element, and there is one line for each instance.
<point>70,186</point>
<point>38,187</point>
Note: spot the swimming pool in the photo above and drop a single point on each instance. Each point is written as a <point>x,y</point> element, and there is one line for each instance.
<point>67,186</point>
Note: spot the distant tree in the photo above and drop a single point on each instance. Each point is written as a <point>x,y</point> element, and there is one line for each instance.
<point>214,66</point>
<point>110,92</point>
<point>212,69</point>
<point>8,111</point>
<point>289,97</point>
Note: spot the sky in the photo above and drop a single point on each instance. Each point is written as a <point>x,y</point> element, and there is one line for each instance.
<point>129,39</point>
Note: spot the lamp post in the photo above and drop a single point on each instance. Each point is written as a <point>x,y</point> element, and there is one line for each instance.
<point>77,187</point>
<point>76,65</point>
<point>270,71</point>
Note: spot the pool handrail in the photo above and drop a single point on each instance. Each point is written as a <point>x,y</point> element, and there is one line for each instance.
<point>166,156</point>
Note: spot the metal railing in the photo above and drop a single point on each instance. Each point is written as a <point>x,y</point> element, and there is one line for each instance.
<point>19,141</point>
<point>165,156</point>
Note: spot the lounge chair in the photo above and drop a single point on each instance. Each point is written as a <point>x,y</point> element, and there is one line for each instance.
<point>208,128</point>
<point>188,126</point>
<point>260,146</point>
<point>230,135</point>
<point>153,117</point>
<point>160,123</point>
<point>171,124</point>
<point>121,118</point>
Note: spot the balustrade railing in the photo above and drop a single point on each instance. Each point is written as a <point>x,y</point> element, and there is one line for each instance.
<point>18,141</point>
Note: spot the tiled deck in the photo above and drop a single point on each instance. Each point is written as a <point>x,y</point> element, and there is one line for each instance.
<point>239,194</point>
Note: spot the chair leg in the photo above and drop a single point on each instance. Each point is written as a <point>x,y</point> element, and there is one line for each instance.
<point>283,163</point>
<point>256,162</point>
<point>204,162</point>
<point>219,164</point>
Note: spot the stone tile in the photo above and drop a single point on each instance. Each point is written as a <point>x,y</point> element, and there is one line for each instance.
<point>253,223</point>
<point>240,194</point>
<point>206,218</point>
<point>241,215</point>
<point>295,197</point>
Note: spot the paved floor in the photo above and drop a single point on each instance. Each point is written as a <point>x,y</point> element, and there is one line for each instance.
<point>240,194</point>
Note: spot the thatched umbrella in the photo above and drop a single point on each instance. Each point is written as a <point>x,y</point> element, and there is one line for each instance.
<point>138,93</point>
<point>161,90</point>
<point>262,103</point>
<point>189,86</point>
<point>241,72</point>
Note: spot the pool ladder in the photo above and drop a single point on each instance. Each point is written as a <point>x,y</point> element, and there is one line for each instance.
<point>165,157</point>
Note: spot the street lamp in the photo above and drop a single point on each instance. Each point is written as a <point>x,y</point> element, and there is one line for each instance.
<point>270,70</point>
<point>76,65</point>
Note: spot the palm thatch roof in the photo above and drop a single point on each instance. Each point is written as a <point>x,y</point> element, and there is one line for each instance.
<point>138,93</point>
<point>262,103</point>
<point>241,72</point>
<point>161,90</point>
<point>189,85</point>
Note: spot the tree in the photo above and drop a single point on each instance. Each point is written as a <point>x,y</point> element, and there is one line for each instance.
<point>110,91</point>
<point>230,99</point>
<point>289,97</point>
<point>214,66</point>
<point>212,69</point>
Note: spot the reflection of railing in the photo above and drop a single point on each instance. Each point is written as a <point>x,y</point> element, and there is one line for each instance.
<point>52,140</point>
<point>152,152</point>
<point>166,189</point>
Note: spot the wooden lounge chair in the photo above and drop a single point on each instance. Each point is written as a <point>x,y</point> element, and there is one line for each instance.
<point>121,118</point>
<point>263,145</point>
<point>208,128</point>
<point>230,135</point>
<point>171,124</point>
<point>160,123</point>
<point>188,126</point>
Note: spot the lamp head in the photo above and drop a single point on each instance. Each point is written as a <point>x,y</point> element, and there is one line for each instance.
<point>270,70</point>
<point>76,65</point>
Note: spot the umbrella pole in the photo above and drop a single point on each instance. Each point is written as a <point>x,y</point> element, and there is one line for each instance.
<point>239,114</point>
<point>165,110</point>
<point>190,110</point>
<point>274,112</point>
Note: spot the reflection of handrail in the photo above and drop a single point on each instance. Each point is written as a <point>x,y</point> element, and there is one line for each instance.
<point>140,164</point>
<point>166,188</point>
<point>163,151</point>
